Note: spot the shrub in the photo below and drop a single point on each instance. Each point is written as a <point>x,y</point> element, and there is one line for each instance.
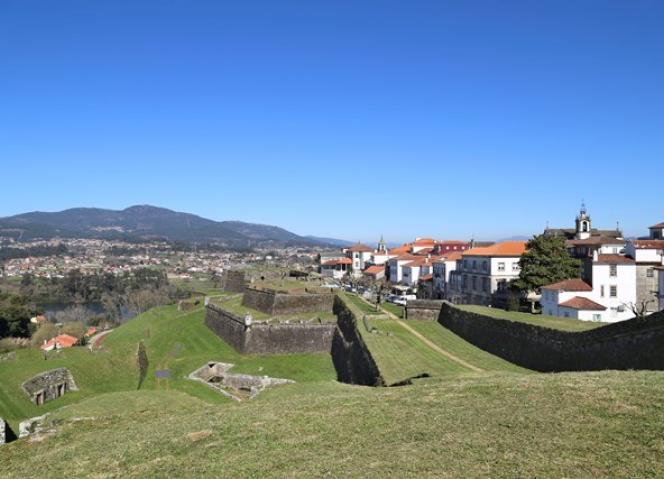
<point>45,332</point>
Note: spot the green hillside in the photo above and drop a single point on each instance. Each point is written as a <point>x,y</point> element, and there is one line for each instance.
<point>176,341</point>
<point>541,425</point>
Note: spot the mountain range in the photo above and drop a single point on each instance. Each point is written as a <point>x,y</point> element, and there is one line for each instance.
<point>145,222</point>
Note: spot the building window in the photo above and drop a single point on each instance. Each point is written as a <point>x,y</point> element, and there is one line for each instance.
<point>650,272</point>
<point>474,265</point>
<point>501,266</point>
<point>601,291</point>
<point>484,266</point>
<point>597,317</point>
<point>485,284</point>
<point>515,266</point>
<point>614,292</point>
<point>613,270</point>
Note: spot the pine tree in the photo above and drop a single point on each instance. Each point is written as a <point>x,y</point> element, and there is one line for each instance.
<point>545,261</point>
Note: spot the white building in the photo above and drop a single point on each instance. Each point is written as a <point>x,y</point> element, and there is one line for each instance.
<point>648,255</point>
<point>336,268</point>
<point>396,264</point>
<point>657,231</point>
<point>360,256</point>
<point>610,297</point>
<point>442,269</point>
<point>660,269</point>
<point>413,270</point>
<point>488,270</point>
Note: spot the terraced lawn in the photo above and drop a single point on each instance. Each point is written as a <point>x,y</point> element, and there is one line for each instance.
<point>458,346</point>
<point>176,341</point>
<point>553,322</point>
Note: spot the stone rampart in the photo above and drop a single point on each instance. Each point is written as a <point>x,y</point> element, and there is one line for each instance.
<point>275,302</point>
<point>269,338</point>
<point>3,428</point>
<point>632,344</point>
<point>428,309</point>
<point>234,281</point>
<point>49,385</point>
<point>351,357</point>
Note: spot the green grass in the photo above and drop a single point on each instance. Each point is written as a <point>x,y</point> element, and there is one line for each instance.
<point>461,348</point>
<point>607,424</point>
<point>234,305</point>
<point>400,355</point>
<point>176,341</point>
<point>553,322</point>
<point>395,309</point>
<point>361,305</point>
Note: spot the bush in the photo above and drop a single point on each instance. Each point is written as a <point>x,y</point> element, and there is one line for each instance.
<point>12,344</point>
<point>76,329</point>
<point>45,332</point>
<point>513,303</point>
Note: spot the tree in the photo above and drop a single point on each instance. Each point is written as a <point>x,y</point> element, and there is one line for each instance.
<point>75,328</point>
<point>14,316</point>
<point>141,363</point>
<point>45,332</point>
<point>545,261</point>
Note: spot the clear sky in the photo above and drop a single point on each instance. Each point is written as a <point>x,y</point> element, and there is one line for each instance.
<point>340,118</point>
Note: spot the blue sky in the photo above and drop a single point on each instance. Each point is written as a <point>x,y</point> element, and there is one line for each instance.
<point>345,119</point>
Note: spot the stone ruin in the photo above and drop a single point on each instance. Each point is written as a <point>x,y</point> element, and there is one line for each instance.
<point>49,385</point>
<point>235,386</point>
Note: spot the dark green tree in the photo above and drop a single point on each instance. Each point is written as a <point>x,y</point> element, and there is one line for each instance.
<point>545,261</point>
<point>141,363</point>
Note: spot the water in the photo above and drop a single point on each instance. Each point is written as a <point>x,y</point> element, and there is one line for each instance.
<point>92,309</point>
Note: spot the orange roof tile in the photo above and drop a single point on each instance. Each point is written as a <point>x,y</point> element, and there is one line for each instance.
<point>334,262</point>
<point>583,304</point>
<point>360,248</point>
<point>374,270</point>
<point>613,259</point>
<point>506,248</point>
<point>658,225</point>
<point>576,284</point>
<point>648,244</point>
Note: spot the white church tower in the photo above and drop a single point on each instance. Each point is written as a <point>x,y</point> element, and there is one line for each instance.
<point>583,224</point>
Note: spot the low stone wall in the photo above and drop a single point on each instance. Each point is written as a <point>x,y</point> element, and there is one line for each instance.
<point>3,428</point>
<point>274,302</point>
<point>633,344</point>
<point>269,338</point>
<point>428,309</point>
<point>234,281</point>
<point>49,385</point>
<point>352,359</point>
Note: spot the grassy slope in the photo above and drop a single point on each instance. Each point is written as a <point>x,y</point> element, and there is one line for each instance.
<point>564,425</point>
<point>456,345</point>
<point>553,322</point>
<point>177,341</point>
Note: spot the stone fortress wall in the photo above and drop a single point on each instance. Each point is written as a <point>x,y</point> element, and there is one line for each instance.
<point>275,302</point>
<point>632,344</point>
<point>269,338</point>
<point>428,309</point>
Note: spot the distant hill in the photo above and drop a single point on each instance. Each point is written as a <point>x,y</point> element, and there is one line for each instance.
<point>331,241</point>
<point>144,222</point>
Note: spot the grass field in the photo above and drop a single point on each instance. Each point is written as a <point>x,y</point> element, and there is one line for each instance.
<point>395,309</point>
<point>176,341</point>
<point>553,322</point>
<point>360,304</point>
<point>546,425</point>
<point>234,305</point>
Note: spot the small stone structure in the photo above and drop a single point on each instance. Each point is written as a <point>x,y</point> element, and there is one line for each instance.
<point>275,302</point>
<point>49,385</point>
<point>253,337</point>
<point>234,281</point>
<point>216,375</point>
<point>423,309</point>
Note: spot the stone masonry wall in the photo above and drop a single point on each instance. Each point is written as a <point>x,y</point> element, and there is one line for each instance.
<point>3,428</point>
<point>233,281</point>
<point>269,338</point>
<point>428,309</point>
<point>633,344</point>
<point>49,385</point>
<point>352,359</point>
<point>276,303</point>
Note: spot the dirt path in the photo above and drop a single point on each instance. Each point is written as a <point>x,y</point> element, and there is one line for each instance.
<point>427,341</point>
<point>97,339</point>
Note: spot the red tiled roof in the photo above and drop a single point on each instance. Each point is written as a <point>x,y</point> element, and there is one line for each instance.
<point>334,262</point>
<point>62,341</point>
<point>658,225</point>
<point>576,284</point>
<point>424,251</point>
<point>595,241</point>
<point>506,248</point>
<point>400,249</point>
<point>583,304</point>
<point>424,242</point>
<point>613,259</point>
<point>648,244</point>
<point>374,270</point>
<point>454,256</point>
<point>360,248</point>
